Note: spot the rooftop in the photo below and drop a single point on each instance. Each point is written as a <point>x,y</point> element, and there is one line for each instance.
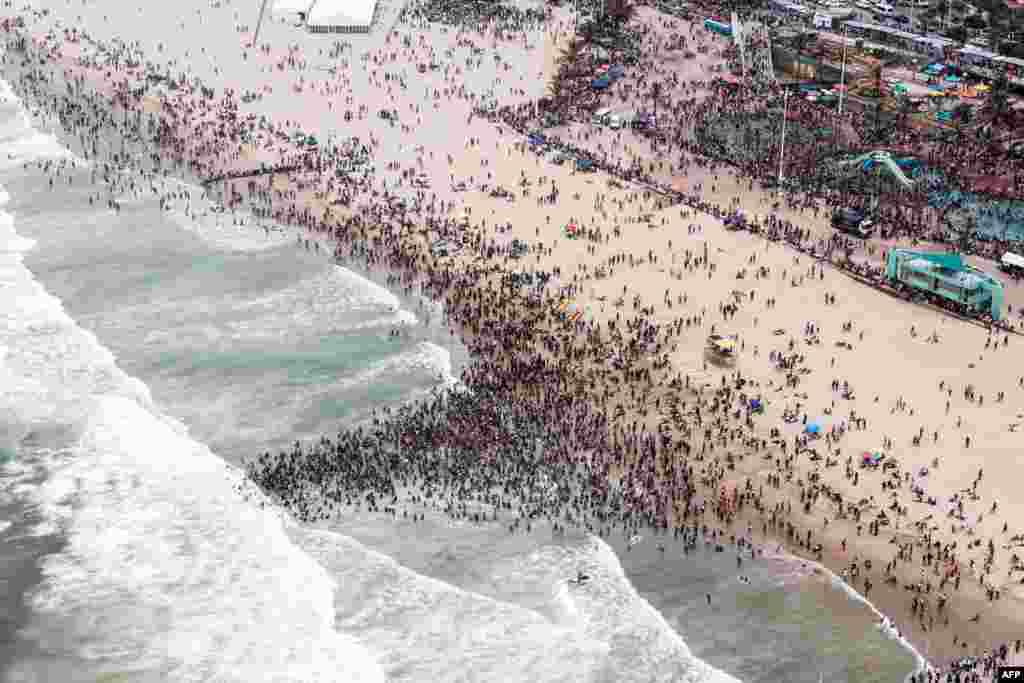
<point>342,12</point>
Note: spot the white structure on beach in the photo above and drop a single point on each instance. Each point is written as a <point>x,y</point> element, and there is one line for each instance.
<point>341,16</point>
<point>292,11</point>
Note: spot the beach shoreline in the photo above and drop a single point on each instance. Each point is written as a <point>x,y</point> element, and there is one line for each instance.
<point>998,625</point>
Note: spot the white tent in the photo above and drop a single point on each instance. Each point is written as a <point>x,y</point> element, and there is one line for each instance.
<point>292,11</point>
<point>341,16</point>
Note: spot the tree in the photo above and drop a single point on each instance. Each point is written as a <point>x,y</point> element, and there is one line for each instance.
<point>998,101</point>
<point>621,10</point>
<point>905,108</point>
<point>976,22</point>
<point>957,33</point>
<point>962,115</point>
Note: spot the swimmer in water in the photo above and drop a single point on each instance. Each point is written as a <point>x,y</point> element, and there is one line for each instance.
<point>581,578</point>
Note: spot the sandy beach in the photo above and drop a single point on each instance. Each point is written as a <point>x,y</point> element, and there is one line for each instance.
<point>938,397</point>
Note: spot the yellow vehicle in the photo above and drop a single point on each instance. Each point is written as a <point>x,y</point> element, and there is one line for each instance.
<point>722,347</point>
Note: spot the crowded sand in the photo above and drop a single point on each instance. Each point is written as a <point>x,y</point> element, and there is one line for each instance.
<point>653,276</point>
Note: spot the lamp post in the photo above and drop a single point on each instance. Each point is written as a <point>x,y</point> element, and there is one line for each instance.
<point>259,23</point>
<point>842,73</point>
<point>782,141</point>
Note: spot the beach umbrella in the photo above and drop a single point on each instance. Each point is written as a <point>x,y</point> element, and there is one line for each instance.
<point>813,428</point>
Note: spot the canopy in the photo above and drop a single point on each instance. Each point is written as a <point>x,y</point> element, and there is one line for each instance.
<point>571,310</point>
<point>872,458</point>
<point>292,7</point>
<point>341,15</point>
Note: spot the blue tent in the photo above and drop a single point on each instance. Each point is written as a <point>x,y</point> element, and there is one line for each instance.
<point>600,83</point>
<point>813,428</point>
<point>617,71</point>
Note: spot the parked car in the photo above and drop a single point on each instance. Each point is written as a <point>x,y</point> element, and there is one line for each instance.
<point>853,221</point>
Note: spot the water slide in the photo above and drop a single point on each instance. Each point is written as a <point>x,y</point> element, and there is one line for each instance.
<point>884,159</point>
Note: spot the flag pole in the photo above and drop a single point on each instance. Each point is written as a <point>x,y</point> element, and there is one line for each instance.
<point>259,23</point>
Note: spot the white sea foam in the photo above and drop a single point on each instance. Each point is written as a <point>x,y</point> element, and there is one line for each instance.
<point>522,624</point>
<point>425,357</point>
<point>215,588</point>
<point>4,525</point>
<point>325,302</point>
<point>335,287</point>
<point>168,567</point>
<point>221,231</point>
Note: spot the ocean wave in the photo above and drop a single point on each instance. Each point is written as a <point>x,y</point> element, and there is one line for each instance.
<point>215,588</point>
<point>331,289</point>
<point>168,567</point>
<point>330,300</point>
<point>425,357</point>
<point>223,231</point>
<point>519,621</point>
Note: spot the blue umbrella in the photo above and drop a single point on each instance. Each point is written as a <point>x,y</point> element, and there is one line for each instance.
<point>813,428</point>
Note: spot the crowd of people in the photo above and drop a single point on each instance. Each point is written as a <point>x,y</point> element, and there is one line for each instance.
<point>579,424</point>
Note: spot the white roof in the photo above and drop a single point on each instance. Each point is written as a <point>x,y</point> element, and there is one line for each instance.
<point>285,6</point>
<point>342,13</point>
<point>1011,259</point>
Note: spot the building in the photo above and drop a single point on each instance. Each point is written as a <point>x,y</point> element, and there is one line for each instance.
<point>987,64</point>
<point>929,47</point>
<point>341,16</point>
<point>292,11</point>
